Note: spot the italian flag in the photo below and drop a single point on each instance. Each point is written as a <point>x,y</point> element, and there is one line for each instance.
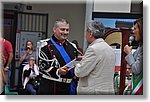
<point>137,85</point>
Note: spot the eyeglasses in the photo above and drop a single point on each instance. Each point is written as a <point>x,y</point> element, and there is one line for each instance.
<point>32,59</point>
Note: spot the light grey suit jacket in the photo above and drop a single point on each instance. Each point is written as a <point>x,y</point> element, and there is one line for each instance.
<point>135,61</point>
<point>96,70</point>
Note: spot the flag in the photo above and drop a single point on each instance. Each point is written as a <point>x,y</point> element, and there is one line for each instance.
<point>137,85</point>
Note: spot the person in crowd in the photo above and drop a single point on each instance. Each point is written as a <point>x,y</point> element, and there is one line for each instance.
<point>2,73</point>
<point>29,51</point>
<point>7,51</point>
<point>96,69</point>
<point>30,73</point>
<point>24,56</point>
<point>77,45</point>
<point>57,79</point>
<point>135,60</point>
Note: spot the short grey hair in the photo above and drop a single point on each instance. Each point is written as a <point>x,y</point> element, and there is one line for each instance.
<point>96,28</point>
<point>60,20</point>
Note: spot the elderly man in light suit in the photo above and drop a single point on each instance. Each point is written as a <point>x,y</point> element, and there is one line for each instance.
<point>96,69</point>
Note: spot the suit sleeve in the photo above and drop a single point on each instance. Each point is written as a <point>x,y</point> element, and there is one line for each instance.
<point>87,64</point>
<point>135,63</point>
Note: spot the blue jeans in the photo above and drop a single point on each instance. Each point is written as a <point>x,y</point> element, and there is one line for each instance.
<point>30,89</point>
<point>8,74</point>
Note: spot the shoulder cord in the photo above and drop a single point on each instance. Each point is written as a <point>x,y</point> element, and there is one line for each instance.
<point>75,47</point>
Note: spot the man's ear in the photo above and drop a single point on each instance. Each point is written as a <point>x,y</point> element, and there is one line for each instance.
<point>54,29</point>
<point>91,34</point>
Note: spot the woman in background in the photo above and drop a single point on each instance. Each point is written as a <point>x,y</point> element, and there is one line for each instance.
<point>24,56</point>
<point>135,60</point>
<point>29,51</point>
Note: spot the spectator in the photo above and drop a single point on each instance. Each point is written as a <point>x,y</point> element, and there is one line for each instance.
<point>30,73</point>
<point>2,73</point>
<point>8,56</point>
<point>24,56</point>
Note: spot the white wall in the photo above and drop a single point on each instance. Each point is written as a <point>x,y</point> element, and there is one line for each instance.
<point>122,6</point>
<point>73,12</point>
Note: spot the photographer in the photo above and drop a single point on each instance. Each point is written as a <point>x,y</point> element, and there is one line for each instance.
<point>29,75</point>
<point>29,51</point>
<point>24,56</point>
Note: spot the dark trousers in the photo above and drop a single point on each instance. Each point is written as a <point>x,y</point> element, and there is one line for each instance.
<point>49,87</point>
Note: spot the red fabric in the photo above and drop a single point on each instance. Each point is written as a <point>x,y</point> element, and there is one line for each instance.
<point>139,90</point>
<point>117,68</point>
<point>7,48</point>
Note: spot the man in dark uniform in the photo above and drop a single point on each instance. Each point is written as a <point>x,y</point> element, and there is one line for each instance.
<point>56,79</point>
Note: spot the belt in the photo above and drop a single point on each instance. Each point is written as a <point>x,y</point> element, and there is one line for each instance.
<point>64,80</point>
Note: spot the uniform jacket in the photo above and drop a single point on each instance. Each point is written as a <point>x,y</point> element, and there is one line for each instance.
<point>51,51</point>
<point>96,70</point>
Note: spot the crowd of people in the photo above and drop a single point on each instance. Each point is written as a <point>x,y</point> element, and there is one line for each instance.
<point>93,74</point>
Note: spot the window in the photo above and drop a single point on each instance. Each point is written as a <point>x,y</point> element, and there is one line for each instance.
<point>117,20</point>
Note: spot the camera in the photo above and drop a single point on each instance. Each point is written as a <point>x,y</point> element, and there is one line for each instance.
<point>28,48</point>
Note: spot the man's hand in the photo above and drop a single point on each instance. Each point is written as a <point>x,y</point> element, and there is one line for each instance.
<point>63,70</point>
<point>6,68</point>
<point>80,57</point>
